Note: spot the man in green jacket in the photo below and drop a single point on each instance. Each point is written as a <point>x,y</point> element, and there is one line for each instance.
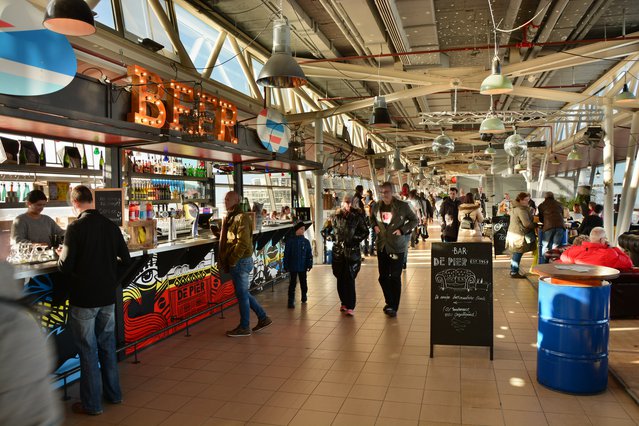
<point>236,257</point>
<point>391,219</point>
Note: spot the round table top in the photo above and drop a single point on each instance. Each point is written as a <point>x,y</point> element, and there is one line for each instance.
<point>575,272</point>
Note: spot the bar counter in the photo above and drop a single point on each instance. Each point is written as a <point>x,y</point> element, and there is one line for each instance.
<point>162,287</point>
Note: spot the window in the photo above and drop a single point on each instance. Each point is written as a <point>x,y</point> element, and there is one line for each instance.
<point>141,22</point>
<point>197,37</point>
<point>257,69</point>
<point>228,70</point>
<point>104,13</point>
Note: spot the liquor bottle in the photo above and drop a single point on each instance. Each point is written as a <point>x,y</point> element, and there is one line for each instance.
<point>66,160</point>
<point>85,164</point>
<point>23,155</point>
<point>101,163</point>
<point>3,194</point>
<point>43,156</point>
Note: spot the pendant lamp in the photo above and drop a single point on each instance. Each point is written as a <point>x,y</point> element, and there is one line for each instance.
<point>281,70</point>
<point>490,150</point>
<point>496,83</point>
<point>492,124</point>
<point>423,161</point>
<point>574,155</point>
<point>473,165</point>
<point>406,169</point>
<point>380,116</point>
<point>369,148</point>
<point>625,96</point>
<point>69,17</point>
<point>555,161</point>
<point>420,175</point>
<point>397,162</point>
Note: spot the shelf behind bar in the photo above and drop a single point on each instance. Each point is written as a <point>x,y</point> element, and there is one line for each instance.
<point>173,201</point>
<point>43,170</point>
<point>167,177</point>
<point>22,204</point>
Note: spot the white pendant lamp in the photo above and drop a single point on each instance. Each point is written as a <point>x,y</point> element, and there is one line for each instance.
<point>496,83</point>
<point>574,155</point>
<point>397,162</point>
<point>625,96</point>
<point>490,150</point>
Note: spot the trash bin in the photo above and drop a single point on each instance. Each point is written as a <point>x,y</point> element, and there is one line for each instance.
<point>572,336</point>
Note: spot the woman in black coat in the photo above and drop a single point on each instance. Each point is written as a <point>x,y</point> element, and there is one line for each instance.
<point>349,228</point>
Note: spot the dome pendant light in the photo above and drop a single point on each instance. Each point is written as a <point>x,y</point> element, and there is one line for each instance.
<point>406,169</point>
<point>281,70</point>
<point>496,83</point>
<point>555,161</point>
<point>492,123</point>
<point>369,148</point>
<point>490,150</point>
<point>574,155</point>
<point>625,96</point>
<point>380,116</point>
<point>397,162</point>
<point>69,17</point>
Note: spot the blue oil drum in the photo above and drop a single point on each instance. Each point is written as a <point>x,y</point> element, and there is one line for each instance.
<point>572,337</point>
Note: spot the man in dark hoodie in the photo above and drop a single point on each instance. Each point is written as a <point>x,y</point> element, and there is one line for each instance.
<point>450,206</point>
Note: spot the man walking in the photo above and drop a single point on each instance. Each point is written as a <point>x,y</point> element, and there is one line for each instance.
<point>392,220</point>
<point>93,245</point>
<point>551,214</point>
<point>236,257</point>
<point>450,207</point>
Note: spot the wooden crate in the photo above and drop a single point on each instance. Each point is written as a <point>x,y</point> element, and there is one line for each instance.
<point>143,234</point>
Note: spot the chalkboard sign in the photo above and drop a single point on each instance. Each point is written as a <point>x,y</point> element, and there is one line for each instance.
<point>500,229</point>
<point>110,202</point>
<point>461,311</point>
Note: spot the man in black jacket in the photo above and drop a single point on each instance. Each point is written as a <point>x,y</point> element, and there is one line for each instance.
<point>93,246</point>
<point>392,220</point>
<point>450,206</point>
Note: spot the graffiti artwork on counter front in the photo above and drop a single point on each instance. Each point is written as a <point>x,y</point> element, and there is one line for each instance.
<point>170,287</point>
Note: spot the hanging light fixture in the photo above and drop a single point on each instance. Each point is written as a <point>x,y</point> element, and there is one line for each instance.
<point>397,162</point>
<point>473,165</point>
<point>574,155</point>
<point>443,145</point>
<point>555,161</point>
<point>496,83</point>
<point>423,161</point>
<point>369,148</point>
<point>598,174</point>
<point>492,123</point>
<point>281,70</point>
<point>490,150</point>
<point>380,117</point>
<point>406,169</point>
<point>420,176</point>
<point>625,96</point>
<point>69,17</point>
<point>515,145</point>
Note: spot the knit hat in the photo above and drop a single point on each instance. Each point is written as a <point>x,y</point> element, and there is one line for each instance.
<point>298,225</point>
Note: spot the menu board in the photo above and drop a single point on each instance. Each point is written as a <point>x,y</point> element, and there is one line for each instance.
<point>110,202</point>
<point>461,311</point>
<point>500,229</point>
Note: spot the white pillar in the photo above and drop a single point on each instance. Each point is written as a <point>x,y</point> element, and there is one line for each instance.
<point>319,191</point>
<point>628,193</point>
<point>609,171</point>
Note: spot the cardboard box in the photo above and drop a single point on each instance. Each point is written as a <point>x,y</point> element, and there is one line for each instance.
<point>75,159</point>
<point>143,233</point>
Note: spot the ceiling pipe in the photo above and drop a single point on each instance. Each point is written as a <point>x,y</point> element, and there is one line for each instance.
<point>461,49</point>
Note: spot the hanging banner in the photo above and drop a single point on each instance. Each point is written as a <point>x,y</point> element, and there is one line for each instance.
<point>33,60</point>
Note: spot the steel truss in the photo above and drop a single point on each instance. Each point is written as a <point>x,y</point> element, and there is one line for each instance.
<point>510,118</point>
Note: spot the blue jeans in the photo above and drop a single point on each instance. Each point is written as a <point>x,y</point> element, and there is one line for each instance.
<point>514,262</point>
<point>94,335</point>
<point>245,300</point>
<point>549,240</point>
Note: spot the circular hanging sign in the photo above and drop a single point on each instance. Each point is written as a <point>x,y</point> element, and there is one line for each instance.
<point>33,60</point>
<point>273,131</point>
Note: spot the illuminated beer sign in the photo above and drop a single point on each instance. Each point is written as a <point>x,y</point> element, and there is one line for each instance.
<point>177,106</point>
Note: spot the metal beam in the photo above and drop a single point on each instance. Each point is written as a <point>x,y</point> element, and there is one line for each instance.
<point>247,71</point>
<point>215,53</point>
<point>185,59</point>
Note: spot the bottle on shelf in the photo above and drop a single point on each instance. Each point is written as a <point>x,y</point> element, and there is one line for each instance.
<point>101,163</point>
<point>3,193</point>
<point>66,160</point>
<point>43,156</point>
<point>85,164</point>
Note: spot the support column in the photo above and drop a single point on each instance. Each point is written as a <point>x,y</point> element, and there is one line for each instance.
<point>609,171</point>
<point>238,180</point>
<point>628,193</point>
<point>319,191</point>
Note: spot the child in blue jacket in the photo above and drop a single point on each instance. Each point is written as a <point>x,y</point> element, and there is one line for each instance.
<point>298,259</point>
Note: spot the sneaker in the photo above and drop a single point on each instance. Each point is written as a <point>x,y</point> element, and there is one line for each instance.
<point>238,332</point>
<point>342,308</point>
<point>392,313</point>
<point>516,275</point>
<point>349,313</point>
<point>385,308</point>
<point>79,409</point>
<point>263,323</point>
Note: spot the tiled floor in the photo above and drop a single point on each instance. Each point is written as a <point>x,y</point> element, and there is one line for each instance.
<point>316,367</point>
